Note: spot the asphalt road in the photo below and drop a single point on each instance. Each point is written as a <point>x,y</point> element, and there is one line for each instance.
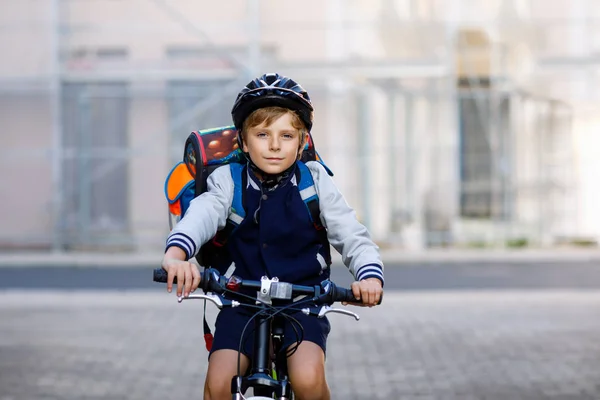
<point>424,276</point>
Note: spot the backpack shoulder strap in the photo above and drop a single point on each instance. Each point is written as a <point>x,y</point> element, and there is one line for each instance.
<point>237,212</point>
<point>308,193</point>
<point>240,179</point>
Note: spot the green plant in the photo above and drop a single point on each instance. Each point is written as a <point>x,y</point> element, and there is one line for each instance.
<point>517,243</point>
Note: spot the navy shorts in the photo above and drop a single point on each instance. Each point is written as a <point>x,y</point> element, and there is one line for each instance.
<point>231,321</point>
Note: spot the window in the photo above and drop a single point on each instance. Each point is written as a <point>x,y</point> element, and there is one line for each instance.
<point>95,165</point>
<point>86,58</point>
<point>188,112</point>
<point>111,53</point>
<point>484,153</point>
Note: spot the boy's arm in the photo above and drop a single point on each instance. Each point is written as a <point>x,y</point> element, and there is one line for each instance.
<point>207,214</point>
<point>345,233</point>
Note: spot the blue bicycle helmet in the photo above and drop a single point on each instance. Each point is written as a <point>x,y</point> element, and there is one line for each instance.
<point>272,90</point>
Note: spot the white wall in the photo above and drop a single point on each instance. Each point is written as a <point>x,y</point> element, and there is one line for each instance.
<point>587,145</point>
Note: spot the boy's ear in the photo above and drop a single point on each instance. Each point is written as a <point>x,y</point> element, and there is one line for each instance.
<point>303,141</point>
<point>242,142</point>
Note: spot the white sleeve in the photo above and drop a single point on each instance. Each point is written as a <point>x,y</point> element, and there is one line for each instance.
<point>206,214</point>
<point>344,232</point>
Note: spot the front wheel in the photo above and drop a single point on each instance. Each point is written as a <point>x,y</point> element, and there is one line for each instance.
<point>267,398</point>
<point>264,398</point>
<point>259,398</point>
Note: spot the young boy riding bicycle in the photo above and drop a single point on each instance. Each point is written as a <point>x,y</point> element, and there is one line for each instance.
<point>273,115</point>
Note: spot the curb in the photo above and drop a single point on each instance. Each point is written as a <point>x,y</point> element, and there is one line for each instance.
<point>395,257</point>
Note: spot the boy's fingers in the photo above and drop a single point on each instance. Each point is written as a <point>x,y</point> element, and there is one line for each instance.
<point>188,280</point>
<point>373,295</point>
<point>374,298</point>
<point>356,290</point>
<point>369,292</point>
<point>180,279</point>
<point>196,276</point>
<point>170,276</point>
<point>365,294</point>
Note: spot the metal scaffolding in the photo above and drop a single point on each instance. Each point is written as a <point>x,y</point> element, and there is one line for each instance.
<point>443,129</point>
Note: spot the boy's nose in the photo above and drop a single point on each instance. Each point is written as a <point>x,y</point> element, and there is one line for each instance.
<point>275,144</point>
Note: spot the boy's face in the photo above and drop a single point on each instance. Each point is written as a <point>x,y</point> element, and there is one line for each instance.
<point>273,148</point>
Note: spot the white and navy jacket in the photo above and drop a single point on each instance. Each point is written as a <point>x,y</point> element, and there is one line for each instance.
<point>281,241</point>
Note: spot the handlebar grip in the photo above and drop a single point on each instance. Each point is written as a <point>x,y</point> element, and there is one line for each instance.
<point>160,275</point>
<point>346,295</point>
<point>207,282</point>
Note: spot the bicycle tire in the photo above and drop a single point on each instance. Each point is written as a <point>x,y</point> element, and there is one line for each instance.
<point>259,398</point>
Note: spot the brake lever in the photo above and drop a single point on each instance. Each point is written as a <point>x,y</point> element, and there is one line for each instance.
<point>217,300</point>
<point>324,310</point>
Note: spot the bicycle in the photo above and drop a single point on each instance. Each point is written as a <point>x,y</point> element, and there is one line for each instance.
<point>268,371</point>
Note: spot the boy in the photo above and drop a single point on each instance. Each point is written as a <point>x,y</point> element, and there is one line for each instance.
<point>273,115</point>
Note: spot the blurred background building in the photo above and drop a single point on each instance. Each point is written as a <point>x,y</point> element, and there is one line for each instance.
<point>447,123</point>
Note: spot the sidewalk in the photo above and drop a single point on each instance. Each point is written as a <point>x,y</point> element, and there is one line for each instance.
<point>390,257</point>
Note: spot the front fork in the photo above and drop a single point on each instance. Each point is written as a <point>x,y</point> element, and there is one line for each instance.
<point>264,379</point>
<point>264,387</point>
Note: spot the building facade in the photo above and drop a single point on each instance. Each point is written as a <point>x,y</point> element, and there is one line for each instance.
<point>446,123</point>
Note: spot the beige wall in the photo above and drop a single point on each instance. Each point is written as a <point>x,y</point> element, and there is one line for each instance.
<point>299,33</point>
<point>26,170</point>
<point>26,138</point>
<point>25,39</point>
<point>147,170</point>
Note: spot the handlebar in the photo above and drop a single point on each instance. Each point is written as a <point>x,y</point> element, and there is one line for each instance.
<point>211,281</point>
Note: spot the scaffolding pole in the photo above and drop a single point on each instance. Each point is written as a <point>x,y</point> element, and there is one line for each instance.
<point>254,42</point>
<point>57,126</point>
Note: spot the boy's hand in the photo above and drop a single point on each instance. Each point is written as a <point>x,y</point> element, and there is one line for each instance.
<point>188,275</point>
<point>369,290</point>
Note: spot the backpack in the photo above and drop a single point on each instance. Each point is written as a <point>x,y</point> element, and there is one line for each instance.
<point>205,151</point>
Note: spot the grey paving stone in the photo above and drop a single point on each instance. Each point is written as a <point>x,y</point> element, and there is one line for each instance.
<point>422,345</point>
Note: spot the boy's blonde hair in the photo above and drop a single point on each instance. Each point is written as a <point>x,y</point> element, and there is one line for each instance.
<point>270,114</point>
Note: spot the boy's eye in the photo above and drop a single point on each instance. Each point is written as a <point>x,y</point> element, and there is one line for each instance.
<point>288,136</point>
<point>261,134</point>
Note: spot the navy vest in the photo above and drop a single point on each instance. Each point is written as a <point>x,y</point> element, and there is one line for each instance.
<point>282,242</point>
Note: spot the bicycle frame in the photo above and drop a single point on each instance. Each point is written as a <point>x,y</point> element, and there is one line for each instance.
<point>260,378</point>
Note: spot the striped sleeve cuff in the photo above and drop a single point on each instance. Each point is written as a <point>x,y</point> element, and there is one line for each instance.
<point>370,271</point>
<point>184,242</point>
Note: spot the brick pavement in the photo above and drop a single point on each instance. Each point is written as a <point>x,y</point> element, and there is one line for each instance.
<point>421,345</point>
